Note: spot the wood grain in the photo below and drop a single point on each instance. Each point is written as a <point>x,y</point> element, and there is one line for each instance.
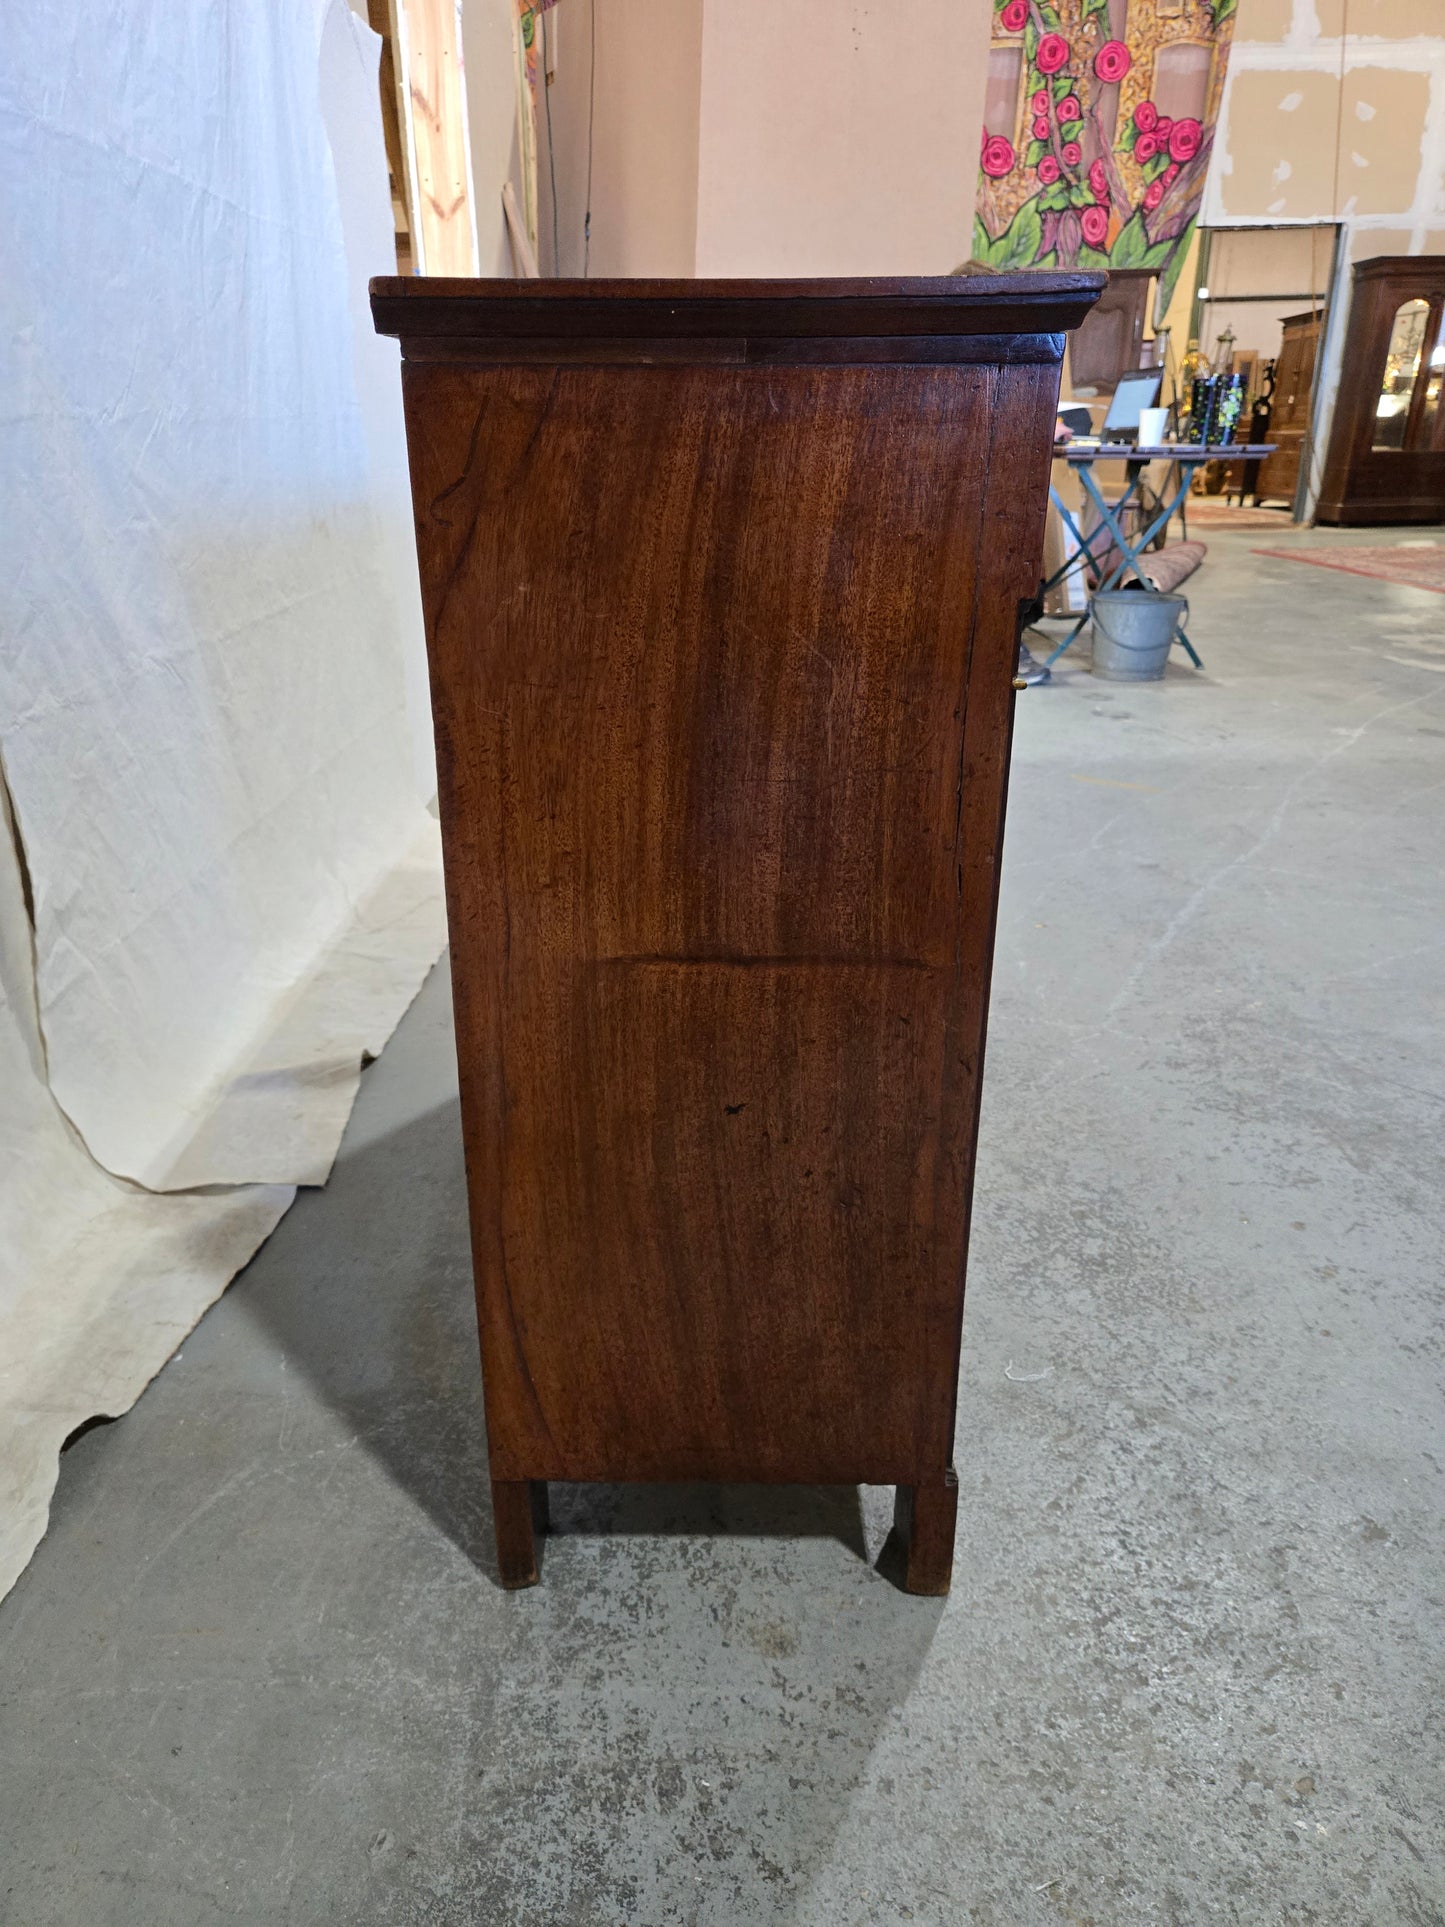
<point>722,676</point>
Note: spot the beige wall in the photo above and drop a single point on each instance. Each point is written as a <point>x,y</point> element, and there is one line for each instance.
<point>490,75</point>
<point>644,137</point>
<point>644,134</point>
<point>731,137</point>
<point>839,136</point>
<point>1387,19</point>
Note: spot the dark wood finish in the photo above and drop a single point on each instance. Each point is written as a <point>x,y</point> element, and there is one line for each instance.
<point>1243,477</point>
<point>1364,484</point>
<point>519,1514</point>
<point>425,308</point>
<point>722,661</point>
<point>1289,425</point>
<point>744,350</point>
<point>1110,339</point>
<point>924,1517</point>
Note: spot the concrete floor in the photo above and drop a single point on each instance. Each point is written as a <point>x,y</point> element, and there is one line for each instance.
<point>1190,1671</point>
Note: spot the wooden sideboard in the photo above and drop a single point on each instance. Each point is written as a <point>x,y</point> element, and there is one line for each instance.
<point>722,586</point>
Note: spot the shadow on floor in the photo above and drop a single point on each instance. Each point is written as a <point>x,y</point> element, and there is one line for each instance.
<point>690,1721</point>
<point>367,1288</point>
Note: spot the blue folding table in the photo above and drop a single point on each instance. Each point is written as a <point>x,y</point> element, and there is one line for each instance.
<point>1186,457</point>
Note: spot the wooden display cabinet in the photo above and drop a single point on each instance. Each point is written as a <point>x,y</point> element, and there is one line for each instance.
<point>722,585</point>
<point>1289,422</point>
<point>1110,340</point>
<point>1386,459</point>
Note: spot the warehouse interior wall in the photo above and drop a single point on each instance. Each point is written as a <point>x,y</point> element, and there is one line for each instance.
<point>491,95</point>
<point>840,136</point>
<point>1334,111</point>
<point>624,96</point>
<point>735,140</point>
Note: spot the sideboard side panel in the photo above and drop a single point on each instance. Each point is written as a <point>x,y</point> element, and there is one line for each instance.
<point>722,667</point>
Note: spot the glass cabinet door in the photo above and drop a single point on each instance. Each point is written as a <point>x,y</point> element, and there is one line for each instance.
<point>1407,409</point>
<point>1429,430</point>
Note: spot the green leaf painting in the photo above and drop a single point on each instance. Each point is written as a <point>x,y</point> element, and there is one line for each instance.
<point>1133,249</point>
<point>1024,237</point>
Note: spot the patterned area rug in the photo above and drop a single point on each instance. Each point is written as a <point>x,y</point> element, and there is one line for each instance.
<point>1207,513</point>
<point>1421,563</point>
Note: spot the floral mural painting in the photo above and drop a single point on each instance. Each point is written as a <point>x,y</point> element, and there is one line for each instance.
<point>1110,108</point>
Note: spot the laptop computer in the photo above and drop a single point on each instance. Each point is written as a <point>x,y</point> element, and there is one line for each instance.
<point>1138,388</point>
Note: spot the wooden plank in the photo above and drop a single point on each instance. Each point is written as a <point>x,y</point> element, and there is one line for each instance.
<point>436,114</point>
<point>381,15</point>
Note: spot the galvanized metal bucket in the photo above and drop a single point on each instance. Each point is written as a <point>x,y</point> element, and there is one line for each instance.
<point>1133,631</point>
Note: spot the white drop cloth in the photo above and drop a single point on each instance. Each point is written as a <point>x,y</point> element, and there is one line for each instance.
<point>211,682</point>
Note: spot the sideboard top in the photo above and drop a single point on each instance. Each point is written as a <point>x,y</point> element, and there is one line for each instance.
<point>425,308</point>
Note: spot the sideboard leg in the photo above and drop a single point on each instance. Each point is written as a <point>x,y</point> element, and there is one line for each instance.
<point>924,1517</point>
<point>519,1508</point>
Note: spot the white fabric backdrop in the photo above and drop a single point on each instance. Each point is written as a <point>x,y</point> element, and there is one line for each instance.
<point>99,1280</point>
<point>211,686</point>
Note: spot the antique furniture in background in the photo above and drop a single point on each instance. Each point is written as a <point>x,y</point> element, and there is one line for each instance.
<point>1289,426</point>
<point>1111,339</point>
<point>1242,477</point>
<point>1386,459</point>
<point>722,586</point>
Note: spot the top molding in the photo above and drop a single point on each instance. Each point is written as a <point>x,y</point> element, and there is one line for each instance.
<point>1008,317</point>
<point>1429,267</point>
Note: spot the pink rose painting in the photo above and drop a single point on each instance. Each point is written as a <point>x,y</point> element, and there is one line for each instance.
<point>1104,179</point>
<point>1053,53</point>
<point>1184,139</point>
<point>1112,62</point>
<point>1094,224</point>
<point>998,156</point>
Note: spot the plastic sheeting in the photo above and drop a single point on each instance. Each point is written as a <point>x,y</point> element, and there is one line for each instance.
<point>211,685</point>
